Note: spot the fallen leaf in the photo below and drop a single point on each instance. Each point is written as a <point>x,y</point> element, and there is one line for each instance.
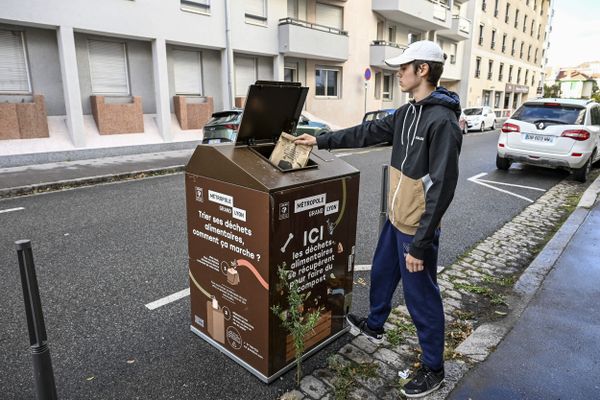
<point>90,378</point>
<point>131,361</point>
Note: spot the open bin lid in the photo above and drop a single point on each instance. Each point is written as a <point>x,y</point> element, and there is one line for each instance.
<point>271,108</point>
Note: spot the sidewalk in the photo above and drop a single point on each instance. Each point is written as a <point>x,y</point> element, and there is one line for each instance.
<point>41,177</point>
<point>552,351</point>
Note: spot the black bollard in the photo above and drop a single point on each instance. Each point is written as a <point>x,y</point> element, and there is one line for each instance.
<point>384,196</point>
<point>42,364</point>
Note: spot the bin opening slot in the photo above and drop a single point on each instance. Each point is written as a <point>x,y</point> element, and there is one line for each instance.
<point>264,151</point>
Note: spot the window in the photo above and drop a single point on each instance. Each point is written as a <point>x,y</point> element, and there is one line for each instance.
<point>534,5</point>
<point>188,72</point>
<point>521,52</point>
<point>256,11</point>
<point>500,72</point>
<point>532,27</point>
<point>327,82</point>
<point>561,114</point>
<point>497,97</point>
<point>539,31</point>
<point>519,75</point>
<point>196,5</point>
<point>413,37</point>
<point>486,99</point>
<point>246,73</point>
<point>483,5</point>
<point>525,23</point>
<point>490,69</point>
<point>453,49</point>
<point>510,69</point>
<point>493,38</point>
<point>496,8</point>
<point>529,53</point>
<point>297,9</point>
<point>331,16</point>
<point>388,85</point>
<point>290,72</point>
<point>481,34</point>
<point>14,72</point>
<point>595,115</point>
<point>532,79</point>
<point>378,76</point>
<point>516,18</point>
<point>504,42</point>
<point>506,16</point>
<point>477,67</point>
<point>526,76</point>
<point>512,49</point>
<point>535,59</point>
<point>392,34</point>
<point>108,67</point>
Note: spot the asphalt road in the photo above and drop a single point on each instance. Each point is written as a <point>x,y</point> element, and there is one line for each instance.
<point>103,252</point>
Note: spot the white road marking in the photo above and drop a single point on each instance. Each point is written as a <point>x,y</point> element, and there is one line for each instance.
<point>475,179</point>
<point>512,184</point>
<point>168,299</point>
<point>11,209</point>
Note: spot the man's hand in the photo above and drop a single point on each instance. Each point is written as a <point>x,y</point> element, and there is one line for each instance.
<point>307,139</point>
<point>413,264</point>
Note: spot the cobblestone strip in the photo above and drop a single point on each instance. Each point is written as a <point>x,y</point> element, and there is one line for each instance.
<point>474,289</point>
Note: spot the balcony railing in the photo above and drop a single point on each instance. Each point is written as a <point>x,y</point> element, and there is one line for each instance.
<point>310,25</point>
<point>386,43</point>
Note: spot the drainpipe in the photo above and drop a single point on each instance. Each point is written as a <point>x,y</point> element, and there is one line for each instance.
<point>229,56</point>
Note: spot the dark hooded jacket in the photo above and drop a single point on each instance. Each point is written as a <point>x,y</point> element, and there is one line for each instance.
<point>426,142</point>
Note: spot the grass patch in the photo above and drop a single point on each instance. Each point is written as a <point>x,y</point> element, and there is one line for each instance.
<point>402,327</point>
<point>345,375</point>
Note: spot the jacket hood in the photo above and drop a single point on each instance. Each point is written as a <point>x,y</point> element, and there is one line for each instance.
<point>444,97</point>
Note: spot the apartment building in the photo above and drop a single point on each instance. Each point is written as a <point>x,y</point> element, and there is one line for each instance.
<point>504,65</point>
<point>130,73</point>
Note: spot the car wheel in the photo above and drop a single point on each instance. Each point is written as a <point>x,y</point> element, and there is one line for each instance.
<point>493,125</point>
<point>581,174</point>
<point>502,163</point>
<point>482,127</point>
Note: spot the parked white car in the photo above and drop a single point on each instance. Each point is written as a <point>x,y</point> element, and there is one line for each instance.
<point>555,133</point>
<point>480,118</point>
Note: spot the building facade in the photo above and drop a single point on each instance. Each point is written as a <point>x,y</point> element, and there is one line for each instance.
<point>505,63</point>
<point>130,73</point>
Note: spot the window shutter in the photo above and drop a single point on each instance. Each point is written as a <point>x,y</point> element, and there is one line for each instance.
<point>331,16</point>
<point>188,72</point>
<point>108,67</point>
<point>14,74</point>
<point>245,74</point>
<point>256,8</point>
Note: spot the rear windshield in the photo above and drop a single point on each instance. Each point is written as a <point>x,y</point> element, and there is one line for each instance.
<point>224,119</point>
<point>472,111</point>
<point>550,114</point>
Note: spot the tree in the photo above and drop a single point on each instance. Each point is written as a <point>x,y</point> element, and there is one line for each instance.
<point>595,92</point>
<point>552,91</point>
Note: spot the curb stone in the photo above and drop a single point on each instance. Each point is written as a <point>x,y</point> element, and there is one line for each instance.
<point>487,260</point>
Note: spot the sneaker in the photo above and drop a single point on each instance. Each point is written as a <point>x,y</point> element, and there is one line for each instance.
<point>359,326</point>
<point>422,382</point>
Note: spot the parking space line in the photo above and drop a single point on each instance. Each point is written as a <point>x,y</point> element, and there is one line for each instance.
<point>512,184</point>
<point>475,179</point>
<point>168,299</point>
<point>11,210</point>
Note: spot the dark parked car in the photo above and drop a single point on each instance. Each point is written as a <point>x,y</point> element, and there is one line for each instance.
<point>311,127</point>
<point>379,114</point>
<point>222,127</point>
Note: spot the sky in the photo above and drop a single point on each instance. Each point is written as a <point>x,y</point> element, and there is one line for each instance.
<point>575,36</point>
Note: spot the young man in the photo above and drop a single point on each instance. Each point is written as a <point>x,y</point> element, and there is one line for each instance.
<point>426,142</point>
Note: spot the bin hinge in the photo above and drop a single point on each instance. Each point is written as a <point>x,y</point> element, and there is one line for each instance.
<point>251,141</point>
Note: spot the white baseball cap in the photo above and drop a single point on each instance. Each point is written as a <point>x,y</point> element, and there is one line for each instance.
<point>425,50</point>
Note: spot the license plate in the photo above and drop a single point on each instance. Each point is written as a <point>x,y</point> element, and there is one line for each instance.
<point>539,138</point>
<point>213,141</point>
